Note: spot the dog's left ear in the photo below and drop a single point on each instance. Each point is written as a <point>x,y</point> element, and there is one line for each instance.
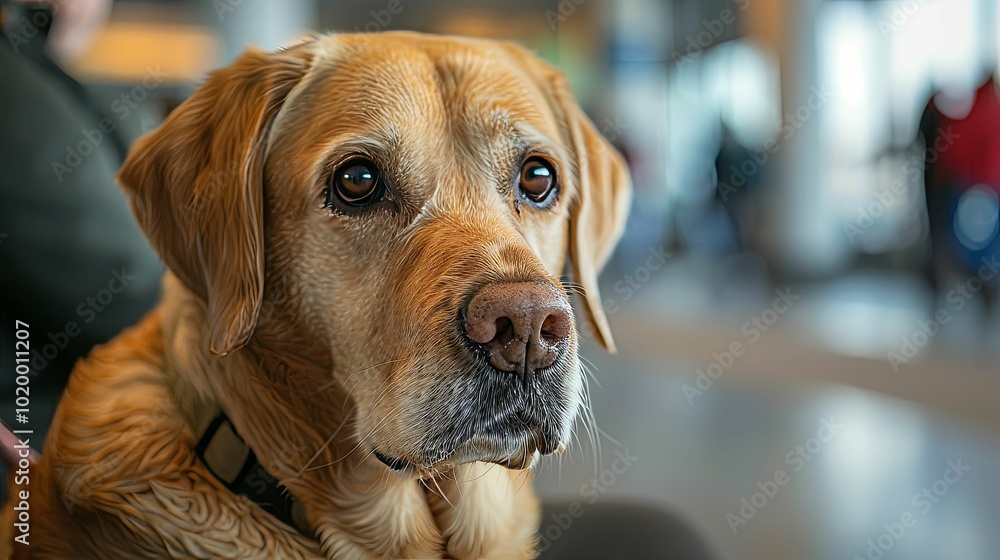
<point>197,189</point>
<point>600,206</point>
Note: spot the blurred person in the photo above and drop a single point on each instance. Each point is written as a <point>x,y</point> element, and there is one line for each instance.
<point>961,137</point>
<point>739,181</point>
<point>704,225</point>
<point>77,268</point>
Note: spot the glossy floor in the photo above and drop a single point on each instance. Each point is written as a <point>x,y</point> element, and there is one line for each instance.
<point>787,470</point>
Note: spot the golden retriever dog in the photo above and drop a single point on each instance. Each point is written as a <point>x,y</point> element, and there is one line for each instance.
<point>365,236</point>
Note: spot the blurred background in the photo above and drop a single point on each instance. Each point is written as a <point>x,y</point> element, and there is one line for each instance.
<point>804,300</point>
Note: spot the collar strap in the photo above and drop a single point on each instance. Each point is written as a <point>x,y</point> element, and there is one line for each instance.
<point>233,463</point>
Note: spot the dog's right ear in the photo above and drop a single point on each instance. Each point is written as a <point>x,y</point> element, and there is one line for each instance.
<point>599,209</point>
<point>196,187</point>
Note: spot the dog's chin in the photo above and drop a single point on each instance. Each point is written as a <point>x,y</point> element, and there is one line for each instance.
<point>515,451</point>
<point>514,428</point>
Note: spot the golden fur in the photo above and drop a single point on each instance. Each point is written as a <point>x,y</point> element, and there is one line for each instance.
<point>322,335</point>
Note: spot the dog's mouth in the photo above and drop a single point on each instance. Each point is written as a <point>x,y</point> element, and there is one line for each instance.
<point>516,451</point>
<point>394,464</point>
<point>486,415</point>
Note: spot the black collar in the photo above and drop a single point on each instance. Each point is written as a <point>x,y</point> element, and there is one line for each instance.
<point>234,464</point>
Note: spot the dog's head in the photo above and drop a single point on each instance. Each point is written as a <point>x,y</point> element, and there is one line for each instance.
<point>412,201</point>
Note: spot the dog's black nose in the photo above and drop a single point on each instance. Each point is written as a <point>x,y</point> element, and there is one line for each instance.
<point>520,324</point>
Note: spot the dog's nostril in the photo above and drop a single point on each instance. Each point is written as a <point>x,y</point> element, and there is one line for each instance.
<point>504,331</point>
<point>552,331</point>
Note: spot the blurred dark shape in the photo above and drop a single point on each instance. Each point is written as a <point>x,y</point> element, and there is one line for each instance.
<point>717,215</point>
<point>962,190</point>
<point>739,196</point>
<point>703,225</point>
<point>617,532</point>
<point>77,269</point>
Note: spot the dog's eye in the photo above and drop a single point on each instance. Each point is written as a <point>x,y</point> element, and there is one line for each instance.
<point>355,183</point>
<point>537,179</point>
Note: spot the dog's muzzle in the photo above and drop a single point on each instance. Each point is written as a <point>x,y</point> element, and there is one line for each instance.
<point>521,393</point>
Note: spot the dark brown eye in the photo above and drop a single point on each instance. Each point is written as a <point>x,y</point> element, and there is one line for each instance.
<point>537,179</point>
<point>355,183</point>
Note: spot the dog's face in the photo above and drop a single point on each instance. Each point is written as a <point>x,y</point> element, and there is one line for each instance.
<point>412,201</point>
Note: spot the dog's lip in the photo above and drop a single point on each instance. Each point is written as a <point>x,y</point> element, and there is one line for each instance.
<point>523,454</point>
<point>523,457</point>
<point>394,464</point>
